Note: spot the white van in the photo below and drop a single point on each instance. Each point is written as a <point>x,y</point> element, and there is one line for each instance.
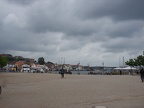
<point>25,68</point>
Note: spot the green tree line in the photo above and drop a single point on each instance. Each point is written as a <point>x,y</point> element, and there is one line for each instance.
<point>139,61</point>
<point>3,61</point>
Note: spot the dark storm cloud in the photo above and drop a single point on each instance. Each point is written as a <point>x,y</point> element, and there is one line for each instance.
<point>81,30</point>
<point>59,16</point>
<point>120,45</point>
<point>21,2</point>
<point>66,20</point>
<point>124,29</point>
<point>50,20</point>
<point>116,9</point>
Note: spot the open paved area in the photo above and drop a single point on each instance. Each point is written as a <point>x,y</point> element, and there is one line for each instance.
<point>35,90</point>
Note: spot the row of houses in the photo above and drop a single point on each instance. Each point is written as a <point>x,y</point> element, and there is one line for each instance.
<point>16,63</point>
<point>23,66</point>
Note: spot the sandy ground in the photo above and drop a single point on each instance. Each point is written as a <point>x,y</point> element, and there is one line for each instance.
<point>35,90</point>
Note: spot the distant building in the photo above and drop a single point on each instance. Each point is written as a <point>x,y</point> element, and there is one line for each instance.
<point>19,64</point>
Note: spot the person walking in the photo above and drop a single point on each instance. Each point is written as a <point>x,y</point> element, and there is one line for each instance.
<point>142,74</point>
<point>120,72</point>
<point>0,89</point>
<point>62,72</point>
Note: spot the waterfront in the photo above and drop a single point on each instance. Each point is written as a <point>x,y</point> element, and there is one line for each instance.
<point>73,72</point>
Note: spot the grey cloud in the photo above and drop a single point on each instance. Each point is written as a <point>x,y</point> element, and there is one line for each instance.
<point>21,2</point>
<point>90,29</point>
<point>59,19</point>
<point>124,29</point>
<point>116,9</point>
<point>120,45</point>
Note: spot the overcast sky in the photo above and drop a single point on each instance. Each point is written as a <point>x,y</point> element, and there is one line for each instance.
<point>86,31</point>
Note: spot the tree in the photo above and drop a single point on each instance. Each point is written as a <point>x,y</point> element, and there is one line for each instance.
<point>131,62</point>
<point>41,61</point>
<point>139,61</point>
<point>3,61</point>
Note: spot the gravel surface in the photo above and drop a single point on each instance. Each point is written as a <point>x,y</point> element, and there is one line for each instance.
<point>44,90</point>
